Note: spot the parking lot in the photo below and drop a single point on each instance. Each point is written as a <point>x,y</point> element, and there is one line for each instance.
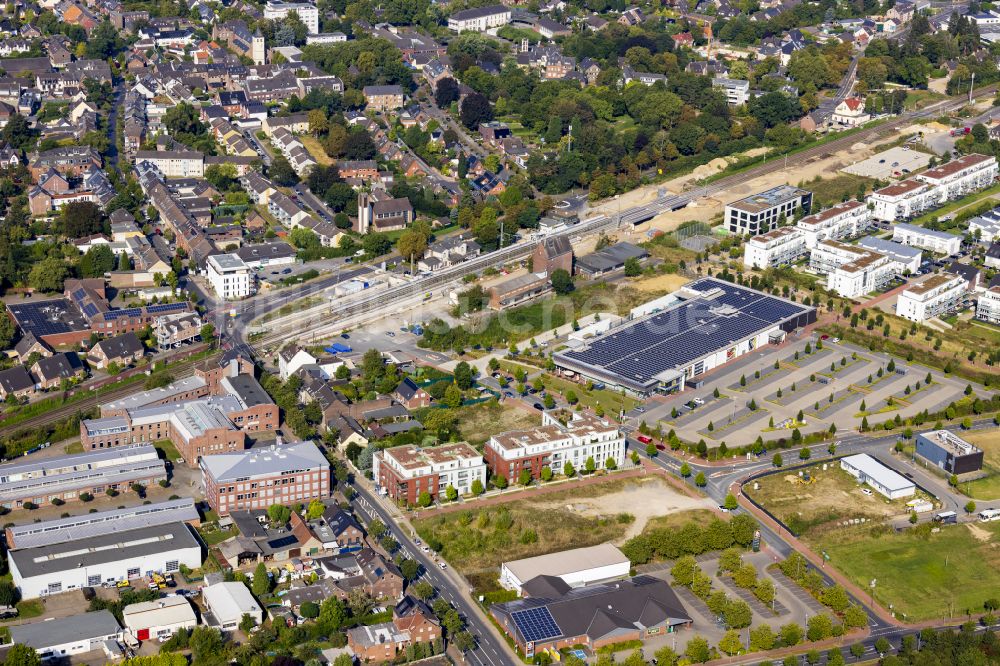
<point>839,384</point>
<point>896,162</point>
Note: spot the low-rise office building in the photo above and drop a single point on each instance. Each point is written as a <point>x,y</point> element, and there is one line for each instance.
<point>871,472</point>
<point>255,479</point>
<point>66,478</point>
<point>404,472</point>
<point>762,212</point>
<point>553,445</point>
<point>104,558</point>
<point>937,295</point>
<point>949,452</point>
<point>941,242</point>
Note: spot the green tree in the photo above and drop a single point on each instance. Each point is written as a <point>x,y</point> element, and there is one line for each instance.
<point>562,283</point>
<point>477,488</point>
<point>776,460</point>
<point>279,513</point>
<point>699,480</point>
<point>730,502</point>
<point>632,267</point>
<point>452,396</point>
<point>464,377</point>
<point>590,466</point>
<point>424,499</point>
<point>970,507</point>
<point>791,634</point>
<point>98,260</point>
<point>858,650</point>
<point>261,581</point>
<point>22,655</point>
<point>761,638</point>
<point>315,509</point>
<point>685,470</point>
<point>48,275</point>
<point>568,470</point>
<point>730,642</point>
<point>697,650</point>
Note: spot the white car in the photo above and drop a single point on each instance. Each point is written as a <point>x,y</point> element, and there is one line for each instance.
<point>866,491</point>
<point>442,565</point>
<point>834,340</point>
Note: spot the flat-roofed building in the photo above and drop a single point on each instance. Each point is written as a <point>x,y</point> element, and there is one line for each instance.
<point>255,479</point>
<point>63,638</point>
<point>230,277</point>
<point>762,212</point>
<point>851,271</point>
<point>105,558</point>
<point>988,306</point>
<point>576,567</point>
<point>228,602</point>
<point>73,528</point>
<point>937,295</point>
<point>845,220</point>
<point>949,452</point>
<point>869,471</point>
<point>778,247</point>
<point>40,481</point>
<point>553,445</point>
<point>906,258</point>
<point>941,242</point>
<point>307,12</point>
<point>159,619</point>
<point>404,472</point>
<point>961,176</point>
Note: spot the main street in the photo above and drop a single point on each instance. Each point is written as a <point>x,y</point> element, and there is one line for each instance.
<point>489,651</point>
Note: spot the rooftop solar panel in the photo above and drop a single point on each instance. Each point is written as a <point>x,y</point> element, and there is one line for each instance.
<point>536,624</point>
<point>90,310</point>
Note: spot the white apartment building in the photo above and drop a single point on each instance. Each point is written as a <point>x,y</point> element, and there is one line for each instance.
<point>174,163</point>
<point>737,90</point>
<point>479,19</point>
<point>403,473</point>
<point>987,225</point>
<point>845,220</point>
<point>988,306</point>
<point>553,445</point>
<point>230,277</point>
<point>778,247</point>
<point>961,176</point>
<point>941,242</point>
<point>933,187</point>
<point>326,38</point>
<point>851,271</point>
<point>935,296</point>
<point>901,200</point>
<point>275,10</point>
<point>760,213</point>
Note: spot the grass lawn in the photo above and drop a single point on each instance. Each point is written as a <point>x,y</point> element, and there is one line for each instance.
<point>921,574</point>
<point>312,144</point>
<point>167,448</point>
<point>30,608</point>
<point>213,537</point>
<point>987,488</point>
<point>958,204</point>
<point>831,191</point>
<point>73,447</point>
<point>610,401</point>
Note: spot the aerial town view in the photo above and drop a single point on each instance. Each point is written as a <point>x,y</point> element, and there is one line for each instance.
<point>499,332</point>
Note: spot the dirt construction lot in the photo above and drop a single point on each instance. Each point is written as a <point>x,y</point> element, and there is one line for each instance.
<point>828,498</point>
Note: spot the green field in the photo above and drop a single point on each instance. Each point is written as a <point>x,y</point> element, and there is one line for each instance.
<point>987,488</point>
<point>830,191</point>
<point>610,401</point>
<point>923,575</point>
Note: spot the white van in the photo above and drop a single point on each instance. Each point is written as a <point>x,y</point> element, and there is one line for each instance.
<point>987,515</point>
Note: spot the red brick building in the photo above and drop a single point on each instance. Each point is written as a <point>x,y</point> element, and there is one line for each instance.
<point>552,254</point>
<point>255,479</point>
<point>406,472</point>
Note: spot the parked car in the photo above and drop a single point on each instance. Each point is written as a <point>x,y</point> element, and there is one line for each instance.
<point>645,439</point>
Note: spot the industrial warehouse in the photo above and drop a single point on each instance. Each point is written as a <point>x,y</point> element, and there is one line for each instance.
<point>701,326</point>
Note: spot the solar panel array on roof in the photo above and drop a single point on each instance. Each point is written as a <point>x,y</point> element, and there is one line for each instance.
<point>536,624</point>
<point>128,312</point>
<point>50,317</point>
<point>90,309</point>
<point>165,307</point>
<point>722,315</point>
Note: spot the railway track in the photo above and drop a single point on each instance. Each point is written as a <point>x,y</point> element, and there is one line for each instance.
<point>325,319</point>
<point>179,368</point>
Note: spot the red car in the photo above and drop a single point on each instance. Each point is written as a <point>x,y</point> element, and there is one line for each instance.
<point>645,439</point>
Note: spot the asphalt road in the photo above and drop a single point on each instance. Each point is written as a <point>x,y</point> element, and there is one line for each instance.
<point>488,650</point>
